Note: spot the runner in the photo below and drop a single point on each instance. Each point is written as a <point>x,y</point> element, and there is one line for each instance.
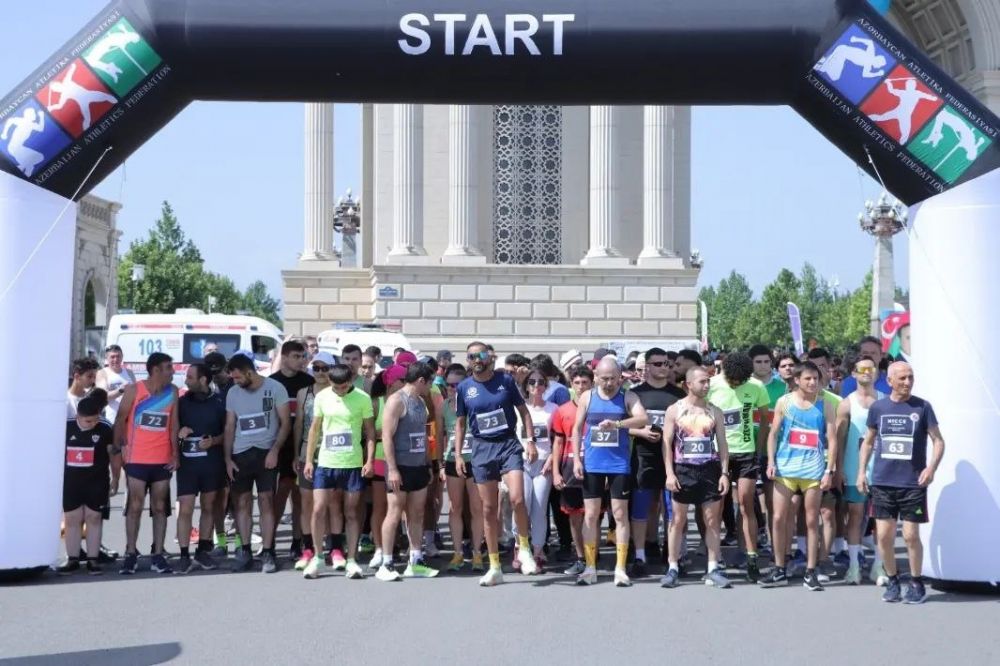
<point>487,405</point>
<point>384,385</point>
<point>461,491</point>
<point>407,472</point>
<point>604,417</point>
<point>852,426</point>
<point>343,430</point>
<point>803,425</point>
<point>294,379</point>
<point>743,402</point>
<point>833,509</point>
<point>764,371</point>
<point>697,470</point>
<point>146,431</point>
<point>900,425</point>
<point>257,424</point>
<point>686,359</point>
<point>320,369</point>
<point>83,377</point>
<point>89,450</point>
<point>221,383</point>
<point>113,378</point>
<point>656,394</point>
<point>538,474</point>
<point>869,346</point>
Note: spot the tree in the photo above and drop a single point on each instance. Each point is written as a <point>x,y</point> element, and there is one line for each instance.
<point>259,303</point>
<point>725,307</point>
<point>770,323</point>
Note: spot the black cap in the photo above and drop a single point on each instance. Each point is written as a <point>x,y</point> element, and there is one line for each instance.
<point>444,354</point>
<point>215,361</point>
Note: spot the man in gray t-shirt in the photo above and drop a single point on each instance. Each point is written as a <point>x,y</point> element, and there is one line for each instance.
<point>257,425</point>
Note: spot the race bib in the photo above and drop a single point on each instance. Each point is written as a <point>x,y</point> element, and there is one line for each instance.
<point>79,456</point>
<point>604,438</point>
<point>731,419</point>
<point>293,407</point>
<point>696,447</point>
<point>191,448</point>
<point>897,448</point>
<point>153,421</point>
<point>803,438</point>
<point>541,433</point>
<point>467,444</point>
<point>656,417</point>
<point>418,442</point>
<point>339,442</point>
<point>491,423</point>
<point>252,424</point>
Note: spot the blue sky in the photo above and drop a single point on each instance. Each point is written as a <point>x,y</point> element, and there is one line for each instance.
<point>768,190</point>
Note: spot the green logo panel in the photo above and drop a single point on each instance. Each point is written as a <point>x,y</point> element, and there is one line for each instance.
<point>122,58</point>
<point>949,145</point>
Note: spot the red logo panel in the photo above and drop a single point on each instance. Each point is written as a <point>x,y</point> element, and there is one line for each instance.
<point>76,98</point>
<point>901,105</point>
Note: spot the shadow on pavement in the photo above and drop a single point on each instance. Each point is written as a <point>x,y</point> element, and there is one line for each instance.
<point>138,655</point>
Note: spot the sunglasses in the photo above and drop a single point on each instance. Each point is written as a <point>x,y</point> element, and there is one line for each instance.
<point>321,368</point>
<point>864,371</point>
<point>657,364</point>
<point>453,386</point>
<point>479,356</point>
<point>536,382</point>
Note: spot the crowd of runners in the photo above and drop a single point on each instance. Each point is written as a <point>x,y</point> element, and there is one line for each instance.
<point>800,466</point>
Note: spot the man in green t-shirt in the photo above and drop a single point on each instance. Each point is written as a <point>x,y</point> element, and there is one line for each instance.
<point>343,419</point>
<point>743,401</point>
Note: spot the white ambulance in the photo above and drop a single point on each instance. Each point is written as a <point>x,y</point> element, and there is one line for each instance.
<point>187,334</point>
<point>385,337</point>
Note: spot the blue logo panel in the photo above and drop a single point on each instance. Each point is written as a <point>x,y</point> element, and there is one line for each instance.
<point>30,139</point>
<point>855,64</point>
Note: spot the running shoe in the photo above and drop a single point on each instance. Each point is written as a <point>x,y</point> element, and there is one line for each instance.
<point>753,568</point>
<point>637,569</point>
<point>842,559</point>
<point>311,570</point>
<point>159,564</point>
<point>419,570</point>
<point>307,556</point>
<point>467,549</point>
<point>220,552</point>
<point>202,560</point>
<point>377,559</point>
<point>715,578</point>
<point>184,564</point>
<point>268,562</point>
<point>337,560</point>
<point>387,574</point>
<point>892,593</point>
<point>776,578</point>
<point>811,581</point>
<point>587,577</point>
<point>353,571</point>
<point>129,564</point>
<point>492,578</point>
<point>528,565</point>
<point>106,555</point>
<point>94,568</point>
<point>915,593</point>
<point>477,563</point>
<point>71,567</point>
<point>365,544</point>
<point>797,565</point>
<point>576,569</point>
<point>671,578</point>
<point>621,578</point>
<point>853,575</point>
<point>456,563</point>
<point>242,561</point>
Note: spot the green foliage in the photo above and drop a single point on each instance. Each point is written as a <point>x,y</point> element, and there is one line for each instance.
<point>736,320</point>
<point>175,277</point>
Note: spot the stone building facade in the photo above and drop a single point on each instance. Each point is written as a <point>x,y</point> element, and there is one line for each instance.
<point>95,274</point>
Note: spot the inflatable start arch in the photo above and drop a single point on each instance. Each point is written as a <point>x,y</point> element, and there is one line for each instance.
<point>837,62</point>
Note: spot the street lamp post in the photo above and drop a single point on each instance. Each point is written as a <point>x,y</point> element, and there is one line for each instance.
<point>882,219</point>
<point>347,222</point>
<point>138,273</point>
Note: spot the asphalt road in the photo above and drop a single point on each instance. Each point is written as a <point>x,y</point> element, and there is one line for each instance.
<point>222,618</point>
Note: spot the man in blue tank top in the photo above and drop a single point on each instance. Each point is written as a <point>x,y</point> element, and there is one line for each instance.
<point>898,428</point>
<point>603,418</point>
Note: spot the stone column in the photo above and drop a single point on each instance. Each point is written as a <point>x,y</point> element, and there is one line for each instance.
<point>408,186</point>
<point>463,186</point>
<point>884,283</point>
<point>318,183</point>
<point>658,189</point>
<point>603,188</point>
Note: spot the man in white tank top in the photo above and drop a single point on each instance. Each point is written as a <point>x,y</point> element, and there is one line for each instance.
<point>113,378</point>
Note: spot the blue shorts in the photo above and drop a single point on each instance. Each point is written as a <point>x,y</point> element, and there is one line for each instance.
<point>491,459</point>
<point>854,496</point>
<point>348,480</point>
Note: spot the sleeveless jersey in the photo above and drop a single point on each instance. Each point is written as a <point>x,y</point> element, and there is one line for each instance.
<point>379,446</point>
<point>149,426</point>
<point>606,451</point>
<point>694,435</point>
<point>855,436</point>
<point>410,439</point>
<point>802,442</point>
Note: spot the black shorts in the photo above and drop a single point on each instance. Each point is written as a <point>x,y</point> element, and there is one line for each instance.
<point>699,483</point>
<point>147,473</point>
<point>286,461</point>
<point>415,478</point>
<point>450,470</point>
<point>595,484</point>
<point>252,472</point>
<point>650,472</point>
<point>81,491</point>
<point>744,466</point>
<point>571,501</point>
<point>907,504</point>
<point>302,481</point>
<point>201,475</point>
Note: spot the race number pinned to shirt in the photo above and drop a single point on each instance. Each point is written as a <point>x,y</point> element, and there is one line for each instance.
<point>604,438</point>
<point>491,423</point>
<point>696,447</point>
<point>338,442</point>
<point>896,434</point>
<point>79,456</point>
<point>418,442</point>
<point>804,439</point>
<point>467,444</point>
<point>656,417</point>
<point>191,448</point>
<point>251,424</point>
<point>541,433</point>
<point>731,419</point>
<point>153,421</point>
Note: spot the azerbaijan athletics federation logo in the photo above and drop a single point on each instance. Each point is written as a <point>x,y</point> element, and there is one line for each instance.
<point>72,102</point>
<point>902,105</point>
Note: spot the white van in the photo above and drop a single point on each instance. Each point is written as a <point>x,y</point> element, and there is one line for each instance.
<point>186,334</point>
<point>364,336</point>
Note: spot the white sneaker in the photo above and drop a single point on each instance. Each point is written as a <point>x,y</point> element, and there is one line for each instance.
<point>387,575</point>
<point>588,577</point>
<point>312,569</point>
<point>621,578</point>
<point>877,575</point>
<point>822,577</point>
<point>853,575</point>
<point>377,560</point>
<point>353,570</point>
<point>528,565</point>
<point>493,577</point>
